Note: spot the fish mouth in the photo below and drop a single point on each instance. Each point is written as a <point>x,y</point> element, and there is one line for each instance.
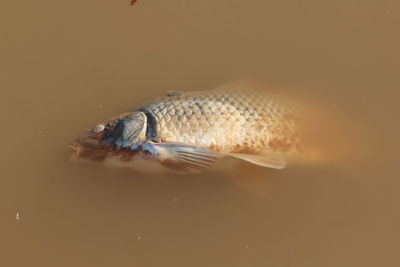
<point>88,149</point>
<point>93,149</point>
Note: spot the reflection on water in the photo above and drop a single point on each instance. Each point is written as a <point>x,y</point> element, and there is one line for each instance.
<point>67,65</point>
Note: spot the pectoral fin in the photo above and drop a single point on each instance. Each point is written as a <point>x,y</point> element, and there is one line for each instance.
<point>270,160</point>
<point>187,158</point>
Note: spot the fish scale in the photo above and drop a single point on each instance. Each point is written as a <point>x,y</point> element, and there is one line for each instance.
<point>226,122</point>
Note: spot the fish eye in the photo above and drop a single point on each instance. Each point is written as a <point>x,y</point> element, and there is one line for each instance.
<point>99,128</point>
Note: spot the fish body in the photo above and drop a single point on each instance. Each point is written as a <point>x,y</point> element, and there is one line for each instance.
<point>190,131</point>
<point>225,122</point>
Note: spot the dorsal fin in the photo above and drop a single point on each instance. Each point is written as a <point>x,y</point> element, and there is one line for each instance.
<point>174,93</point>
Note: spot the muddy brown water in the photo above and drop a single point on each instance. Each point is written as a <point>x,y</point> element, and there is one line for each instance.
<point>65,65</point>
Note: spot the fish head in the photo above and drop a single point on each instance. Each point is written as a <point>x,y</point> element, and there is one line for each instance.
<point>113,138</point>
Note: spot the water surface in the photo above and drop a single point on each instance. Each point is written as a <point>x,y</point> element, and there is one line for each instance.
<point>66,65</point>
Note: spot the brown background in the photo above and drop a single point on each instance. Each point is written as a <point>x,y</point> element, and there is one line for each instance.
<point>65,65</point>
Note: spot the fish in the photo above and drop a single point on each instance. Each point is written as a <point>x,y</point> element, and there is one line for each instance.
<point>190,131</point>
